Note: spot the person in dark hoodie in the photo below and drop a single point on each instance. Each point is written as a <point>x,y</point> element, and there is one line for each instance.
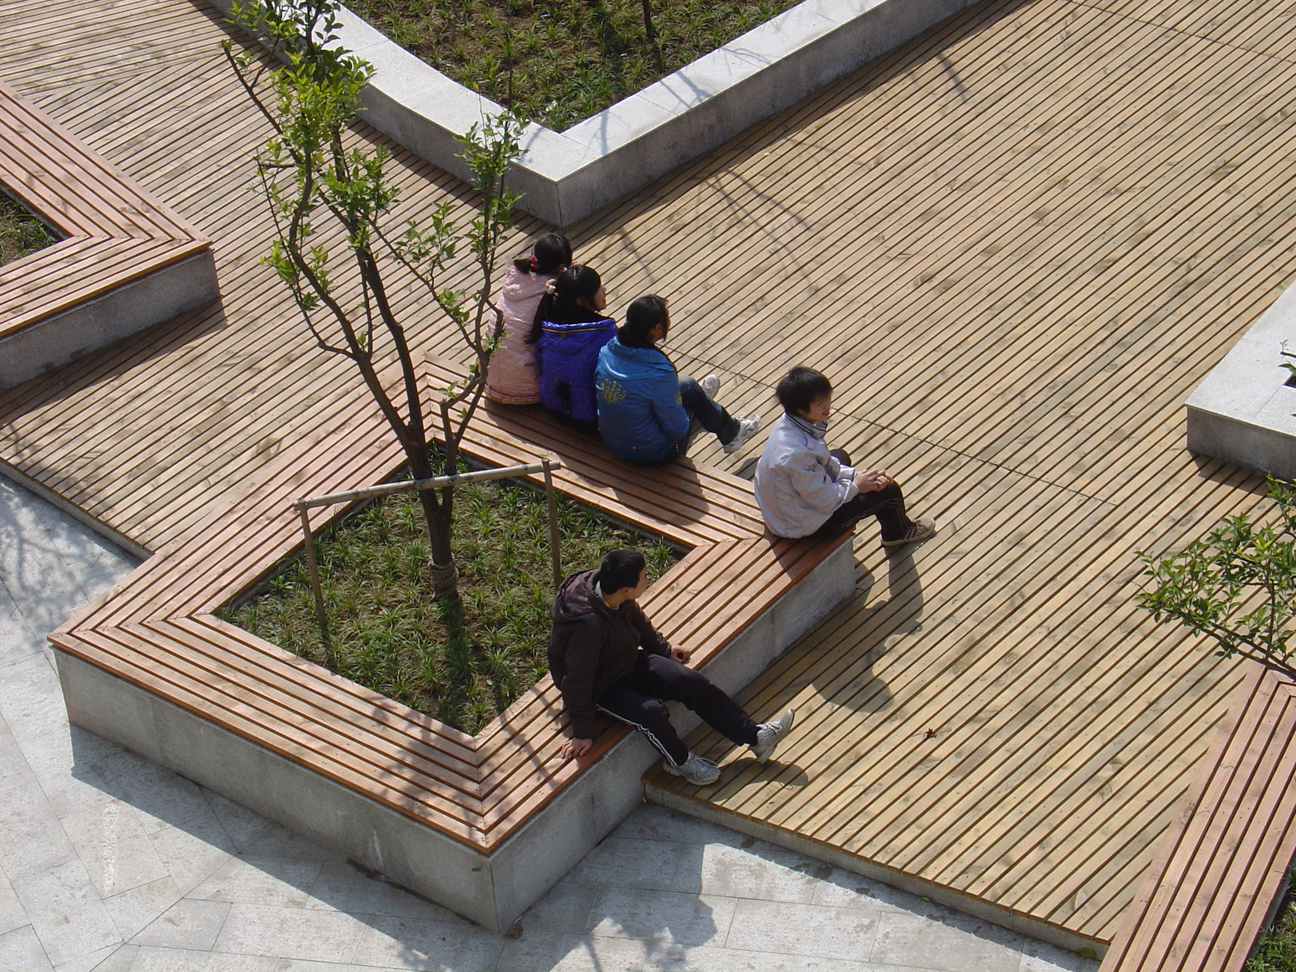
<point>605,654</point>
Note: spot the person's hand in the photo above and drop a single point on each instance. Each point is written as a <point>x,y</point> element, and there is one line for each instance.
<point>575,748</point>
<point>681,655</point>
<point>872,480</point>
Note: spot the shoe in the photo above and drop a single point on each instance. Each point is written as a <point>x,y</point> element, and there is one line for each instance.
<point>919,530</point>
<point>695,769</point>
<point>748,425</point>
<point>770,734</point>
<point>710,384</point>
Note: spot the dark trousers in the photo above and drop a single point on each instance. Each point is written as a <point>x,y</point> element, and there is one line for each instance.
<point>705,412</point>
<point>638,698</point>
<point>886,504</point>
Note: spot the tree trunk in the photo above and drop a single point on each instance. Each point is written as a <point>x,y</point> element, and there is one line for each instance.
<point>444,571</point>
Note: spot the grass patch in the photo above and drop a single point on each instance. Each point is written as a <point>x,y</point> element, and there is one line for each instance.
<point>1276,950</point>
<point>464,664</point>
<point>561,62</point>
<point>21,233</point>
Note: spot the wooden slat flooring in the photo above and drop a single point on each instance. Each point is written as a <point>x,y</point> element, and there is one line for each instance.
<point>1015,244</point>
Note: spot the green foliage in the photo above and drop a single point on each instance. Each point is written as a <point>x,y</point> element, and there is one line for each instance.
<point>1276,949</point>
<point>561,62</point>
<point>319,179</point>
<point>1237,585</point>
<point>463,662</point>
<point>21,233</point>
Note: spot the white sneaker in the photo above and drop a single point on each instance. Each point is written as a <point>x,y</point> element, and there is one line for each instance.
<point>710,384</point>
<point>769,734</point>
<point>748,425</point>
<point>695,769</point>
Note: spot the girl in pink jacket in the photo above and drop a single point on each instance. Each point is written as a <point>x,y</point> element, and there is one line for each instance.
<point>511,376</point>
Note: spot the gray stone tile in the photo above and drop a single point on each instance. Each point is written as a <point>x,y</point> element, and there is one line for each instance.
<point>21,951</point>
<point>914,940</point>
<point>92,961</point>
<point>279,841</point>
<point>241,824</point>
<point>264,881</point>
<point>31,701</point>
<point>73,769</point>
<point>304,965</point>
<point>120,959</point>
<point>411,943</point>
<point>12,914</point>
<point>341,887</point>
<point>134,909</point>
<point>803,929</point>
<point>187,924</point>
<point>840,888</point>
<point>710,959</point>
<point>661,916</point>
<point>31,839</point>
<point>630,863</point>
<point>193,853</point>
<point>149,959</point>
<point>159,796</point>
<point>1043,957</point>
<point>770,874</point>
<point>14,768</point>
<point>652,822</point>
<point>570,953</point>
<point>18,639</point>
<point>67,915</point>
<point>289,932</point>
<point>112,845</point>
<point>564,910</point>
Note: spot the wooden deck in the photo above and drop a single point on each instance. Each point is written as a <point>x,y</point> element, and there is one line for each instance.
<point>1015,245</point>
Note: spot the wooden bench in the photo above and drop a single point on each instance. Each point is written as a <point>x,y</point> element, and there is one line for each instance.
<point>1221,866</point>
<point>124,260</point>
<point>481,824</point>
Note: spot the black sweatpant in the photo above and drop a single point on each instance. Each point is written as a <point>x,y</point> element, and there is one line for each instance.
<point>886,504</point>
<point>638,698</point>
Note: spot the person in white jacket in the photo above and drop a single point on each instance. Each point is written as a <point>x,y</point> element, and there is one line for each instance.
<point>804,489</point>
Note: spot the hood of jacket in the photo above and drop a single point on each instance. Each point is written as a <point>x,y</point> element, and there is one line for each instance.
<point>637,360</point>
<point>524,286</point>
<point>576,599</point>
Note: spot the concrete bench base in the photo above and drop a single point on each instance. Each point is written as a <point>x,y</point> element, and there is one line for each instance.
<point>1243,411</point>
<point>491,889</point>
<point>63,338</point>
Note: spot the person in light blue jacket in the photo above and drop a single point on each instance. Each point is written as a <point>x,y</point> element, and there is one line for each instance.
<point>646,411</point>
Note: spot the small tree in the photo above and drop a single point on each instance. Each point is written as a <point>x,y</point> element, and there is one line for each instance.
<point>1238,585</point>
<point>310,175</point>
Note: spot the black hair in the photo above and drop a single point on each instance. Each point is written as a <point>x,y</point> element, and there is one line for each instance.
<point>799,389</point>
<point>550,252</point>
<point>560,306</point>
<point>643,314</point>
<point>620,568</point>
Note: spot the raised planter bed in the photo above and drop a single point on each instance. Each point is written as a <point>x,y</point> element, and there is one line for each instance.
<point>565,176</point>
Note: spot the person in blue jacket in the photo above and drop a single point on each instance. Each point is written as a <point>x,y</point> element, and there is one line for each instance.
<point>646,411</point>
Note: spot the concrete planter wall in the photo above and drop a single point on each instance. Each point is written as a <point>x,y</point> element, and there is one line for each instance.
<point>1243,412</point>
<point>565,176</point>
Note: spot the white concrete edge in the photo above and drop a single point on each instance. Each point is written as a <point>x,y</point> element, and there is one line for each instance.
<point>1243,410</point>
<point>565,176</point>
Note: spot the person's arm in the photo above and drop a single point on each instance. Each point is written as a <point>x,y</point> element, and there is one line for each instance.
<point>650,639</point>
<point>584,645</point>
<point>813,484</point>
<point>667,407</point>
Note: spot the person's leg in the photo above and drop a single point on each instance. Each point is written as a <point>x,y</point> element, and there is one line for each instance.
<point>841,455</point>
<point>666,678</point>
<point>707,412</point>
<point>885,504</point>
<point>647,714</point>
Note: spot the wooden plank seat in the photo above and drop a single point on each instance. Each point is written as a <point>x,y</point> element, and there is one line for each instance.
<point>1221,865</point>
<point>113,234</point>
<point>150,665</point>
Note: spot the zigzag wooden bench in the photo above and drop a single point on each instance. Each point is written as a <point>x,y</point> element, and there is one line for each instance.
<point>125,261</point>
<point>485,824</point>
<point>1220,868</point>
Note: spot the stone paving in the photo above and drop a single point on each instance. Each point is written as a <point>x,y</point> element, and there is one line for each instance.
<point>110,863</point>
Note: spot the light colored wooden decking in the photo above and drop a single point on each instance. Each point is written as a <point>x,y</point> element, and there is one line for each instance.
<point>1015,245</point>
